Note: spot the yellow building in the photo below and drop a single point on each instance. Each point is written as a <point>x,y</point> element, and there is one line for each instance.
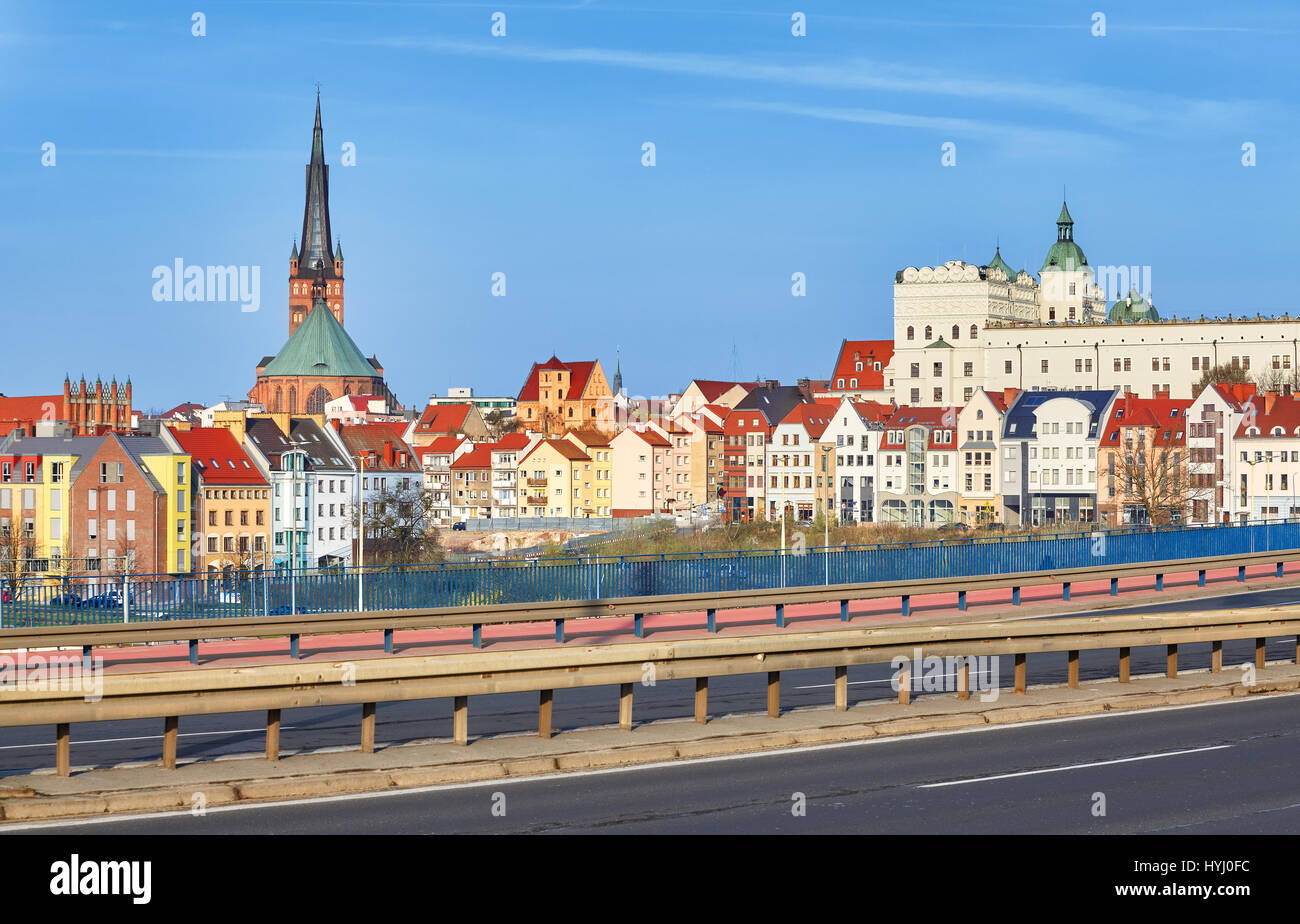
<point>551,480</point>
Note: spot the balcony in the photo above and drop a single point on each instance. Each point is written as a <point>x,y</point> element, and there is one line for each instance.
<point>535,482</point>
<point>532,501</point>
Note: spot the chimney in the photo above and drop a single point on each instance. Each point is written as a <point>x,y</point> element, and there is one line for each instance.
<point>1162,393</point>
<point>1270,399</point>
<point>388,454</point>
<point>771,384</point>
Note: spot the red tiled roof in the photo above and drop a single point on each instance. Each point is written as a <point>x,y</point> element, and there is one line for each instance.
<point>870,352</point>
<point>443,418</point>
<point>26,410</point>
<point>1236,395</point>
<point>1167,416</point>
<point>442,444</point>
<point>1284,413</point>
<point>876,411</point>
<point>579,373</point>
<point>371,438</point>
<point>511,441</point>
<point>478,457</point>
<point>563,447</point>
<point>713,390</point>
<point>814,417</point>
<point>218,456</point>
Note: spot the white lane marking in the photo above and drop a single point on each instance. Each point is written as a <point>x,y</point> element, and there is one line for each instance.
<point>659,765</point>
<point>50,744</point>
<point>1097,763</point>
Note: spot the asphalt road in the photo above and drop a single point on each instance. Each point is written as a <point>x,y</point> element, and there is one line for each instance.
<point>1226,768</point>
<point>205,737</point>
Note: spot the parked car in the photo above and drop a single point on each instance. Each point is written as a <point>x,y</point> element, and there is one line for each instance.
<point>66,601</point>
<point>459,526</point>
<point>954,527</point>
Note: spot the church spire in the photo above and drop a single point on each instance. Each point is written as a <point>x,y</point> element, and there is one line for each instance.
<point>317,244</point>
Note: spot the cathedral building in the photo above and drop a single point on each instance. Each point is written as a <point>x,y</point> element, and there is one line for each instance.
<point>320,361</point>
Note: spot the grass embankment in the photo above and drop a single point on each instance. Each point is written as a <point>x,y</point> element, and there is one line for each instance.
<point>665,540</point>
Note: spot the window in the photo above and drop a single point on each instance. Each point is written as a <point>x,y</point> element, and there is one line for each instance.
<point>968,369</point>
<point>1006,367</point>
<point>1044,365</point>
<point>974,331</point>
<point>911,333</point>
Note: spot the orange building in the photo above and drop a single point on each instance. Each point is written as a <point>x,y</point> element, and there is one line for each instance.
<point>559,396</point>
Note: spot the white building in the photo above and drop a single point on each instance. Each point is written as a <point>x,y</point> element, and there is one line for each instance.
<point>855,430</point>
<point>917,464</point>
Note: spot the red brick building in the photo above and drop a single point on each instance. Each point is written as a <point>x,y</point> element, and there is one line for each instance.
<point>91,409</point>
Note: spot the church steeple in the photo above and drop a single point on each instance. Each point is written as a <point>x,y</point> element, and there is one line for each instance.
<point>316,247</point>
<point>317,243</point>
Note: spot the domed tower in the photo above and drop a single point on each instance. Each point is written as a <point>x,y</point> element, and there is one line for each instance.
<point>1132,308</point>
<point>1068,289</point>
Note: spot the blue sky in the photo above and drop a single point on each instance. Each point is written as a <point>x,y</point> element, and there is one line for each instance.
<point>522,154</point>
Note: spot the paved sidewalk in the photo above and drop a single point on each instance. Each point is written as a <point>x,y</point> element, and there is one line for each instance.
<point>199,785</point>
<point>936,608</point>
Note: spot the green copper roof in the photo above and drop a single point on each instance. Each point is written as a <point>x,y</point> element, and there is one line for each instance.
<point>320,346</point>
<point>1002,264</point>
<point>939,344</point>
<point>1133,308</point>
<point>1065,253</point>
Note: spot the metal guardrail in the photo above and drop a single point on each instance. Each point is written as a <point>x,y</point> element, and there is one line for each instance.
<point>170,695</point>
<point>165,598</point>
<point>561,611</point>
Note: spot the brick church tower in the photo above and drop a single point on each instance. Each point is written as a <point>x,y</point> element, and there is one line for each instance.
<point>318,250</point>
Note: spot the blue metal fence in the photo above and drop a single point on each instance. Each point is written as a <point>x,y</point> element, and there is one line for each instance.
<point>46,600</point>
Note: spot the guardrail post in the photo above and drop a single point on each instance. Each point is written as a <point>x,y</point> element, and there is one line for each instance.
<point>1114,587</point>
<point>460,719</point>
<point>780,615</point>
<point>293,646</point>
<point>702,700</point>
<point>1125,660</point>
<point>1073,660</point>
<point>961,600</point>
<point>1065,590</point>
<point>904,688</point>
<point>1216,657</point>
<point>841,688</point>
<point>1259,653</point>
<point>559,631</point>
<point>367,728</point>
<point>638,625</point>
<point>774,694</point>
<point>1171,661</point>
<point>544,698</point>
<point>625,707</point>
<point>194,651</point>
<point>1022,672</point>
<point>844,611</point>
<point>273,734</point>
<point>85,658</point>
<point>963,680</point>
<point>1160,582</point>
<point>1241,573</point>
<point>1015,596</point>
<point>171,732</point>
<point>478,635</point>
<point>713,620</point>
<point>388,641</point>
<point>1200,578</point>
<point>63,749</point>
<point>1279,569</point>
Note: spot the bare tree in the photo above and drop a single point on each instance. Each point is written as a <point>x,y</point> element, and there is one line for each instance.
<point>1225,375</point>
<point>399,526</point>
<point>1282,381</point>
<point>1156,480</point>
<point>15,555</point>
<point>499,424</point>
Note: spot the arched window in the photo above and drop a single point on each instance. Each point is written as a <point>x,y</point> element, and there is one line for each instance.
<point>853,383</point>
<point>293,400</point>
<point>929,332</point>
<point>316,400</point>
<point>278,406</point>
<point>974,332</point>
<point>911,333</point>
<point>956,332</point>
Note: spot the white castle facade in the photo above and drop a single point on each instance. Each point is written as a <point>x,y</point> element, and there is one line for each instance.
<point>960,327</point>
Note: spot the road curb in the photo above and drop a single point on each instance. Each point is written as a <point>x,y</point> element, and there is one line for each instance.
<point>25,805</point>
